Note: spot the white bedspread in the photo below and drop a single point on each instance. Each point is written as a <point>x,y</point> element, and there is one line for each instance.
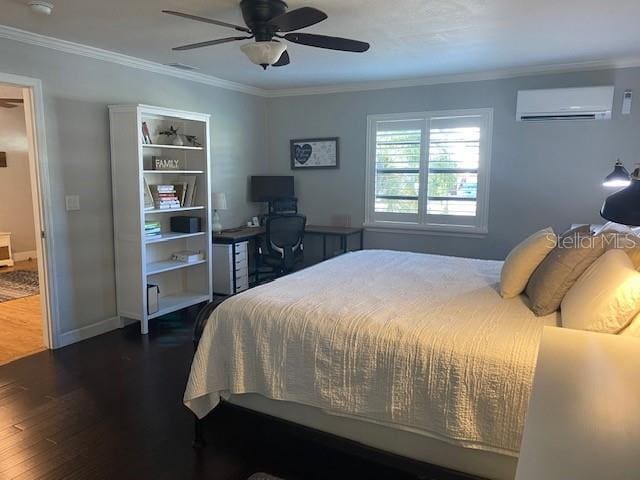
<point>415,341</point>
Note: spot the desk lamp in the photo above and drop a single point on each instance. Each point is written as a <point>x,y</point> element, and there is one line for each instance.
<point>618,178</point>
<point>624,206</point>
<point>218,202</point>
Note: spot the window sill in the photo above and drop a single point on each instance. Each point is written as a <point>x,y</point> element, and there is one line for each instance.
<point>412,229</point>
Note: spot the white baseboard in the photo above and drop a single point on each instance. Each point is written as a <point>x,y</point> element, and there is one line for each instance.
<point>22,256</point>
<point>83,333</point>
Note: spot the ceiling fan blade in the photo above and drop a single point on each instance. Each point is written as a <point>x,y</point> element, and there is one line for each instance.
<point>323,41</point>
<point>207,20</point>
<point>283,60</point>
<point>209,43</point>
<point>297,19</point>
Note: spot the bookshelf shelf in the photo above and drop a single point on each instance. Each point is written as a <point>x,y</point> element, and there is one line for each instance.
<point>155,268</point>
<point>175,172</point>
<point>170,210</point>
<point>172,303</point>
<point>171,147</point>
<point>167,237</point>
<point>141,260</point>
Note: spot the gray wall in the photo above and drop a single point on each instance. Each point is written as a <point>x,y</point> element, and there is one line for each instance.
<point>77,91</point>
<point>541,174</point>
<point>16,209</point>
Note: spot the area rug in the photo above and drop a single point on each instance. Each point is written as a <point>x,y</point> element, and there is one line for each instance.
<point>18,284</point>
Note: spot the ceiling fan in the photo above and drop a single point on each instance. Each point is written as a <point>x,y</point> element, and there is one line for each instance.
<point>10,102</point>
<point>267,21</point>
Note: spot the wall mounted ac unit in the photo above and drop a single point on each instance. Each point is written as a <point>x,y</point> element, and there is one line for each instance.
<point>587,103</point>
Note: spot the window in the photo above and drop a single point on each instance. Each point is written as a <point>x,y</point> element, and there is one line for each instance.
<point>429,171</point>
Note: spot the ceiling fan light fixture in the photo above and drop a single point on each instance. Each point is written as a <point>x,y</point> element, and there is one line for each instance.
<point>264,53</point>
<point>40,7</point>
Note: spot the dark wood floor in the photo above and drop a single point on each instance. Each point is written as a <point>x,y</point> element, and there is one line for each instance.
<point>111,408</point>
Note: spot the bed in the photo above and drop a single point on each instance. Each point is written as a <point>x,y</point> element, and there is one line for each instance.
<point>410,353</point>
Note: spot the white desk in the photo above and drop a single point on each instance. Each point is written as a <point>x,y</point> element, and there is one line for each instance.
<point>583,421</point>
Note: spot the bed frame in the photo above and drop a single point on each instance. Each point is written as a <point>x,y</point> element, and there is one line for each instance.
<point>421,470</point>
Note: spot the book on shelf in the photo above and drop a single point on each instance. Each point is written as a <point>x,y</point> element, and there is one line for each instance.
<point>148,197</point>
<point>146,137</point>
<point>181,191</point>
<point>171,195</point>
<point>187,256</point>
<point>152,229</point>
<point>165,196</point>
<point>190,197</point>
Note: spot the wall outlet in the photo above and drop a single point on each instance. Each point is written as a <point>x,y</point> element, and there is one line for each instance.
<point>72,202</point>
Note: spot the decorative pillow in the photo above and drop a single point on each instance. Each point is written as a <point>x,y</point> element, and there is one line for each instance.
<point>628,242</point>
<point>606,297</point>
<point>523,260</point>
<point>560,269</point>
<point>633,329</point>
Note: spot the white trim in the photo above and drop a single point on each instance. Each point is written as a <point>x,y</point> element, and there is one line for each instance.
<point>410,223</point>
<point>422,230</point>
<point>506,73</point>
<point>88,331</point>
<point>22,256</point>
<point>31,38</point>
<point>41,196</point>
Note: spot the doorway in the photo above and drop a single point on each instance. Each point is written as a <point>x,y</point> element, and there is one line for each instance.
<point>26,325</point>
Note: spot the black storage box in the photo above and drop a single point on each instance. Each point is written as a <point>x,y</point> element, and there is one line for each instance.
<point>185,224</point>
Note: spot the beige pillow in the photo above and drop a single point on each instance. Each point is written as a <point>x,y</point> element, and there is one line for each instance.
<point>606,297</point>
<point>633,329</point>
<point>560,269</point>
<point>628,242</point>
<point>523,260</point>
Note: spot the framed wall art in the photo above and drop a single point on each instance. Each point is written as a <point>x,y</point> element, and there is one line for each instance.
<point>313,153</point>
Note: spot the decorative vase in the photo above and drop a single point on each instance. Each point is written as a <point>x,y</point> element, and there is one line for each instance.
<point>178,142</point>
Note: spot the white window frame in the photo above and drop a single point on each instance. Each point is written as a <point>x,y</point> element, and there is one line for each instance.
<point>423,223</point>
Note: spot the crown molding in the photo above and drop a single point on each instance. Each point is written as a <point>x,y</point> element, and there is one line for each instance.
<point>630,62</point>
<point>31,38</point>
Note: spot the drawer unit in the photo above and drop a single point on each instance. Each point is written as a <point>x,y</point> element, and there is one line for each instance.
<point>228,264</point>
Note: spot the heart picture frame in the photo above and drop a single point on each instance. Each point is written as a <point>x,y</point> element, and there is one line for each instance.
<point>314,153</point>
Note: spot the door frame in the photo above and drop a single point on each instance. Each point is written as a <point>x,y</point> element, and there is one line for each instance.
<point>41,199</point>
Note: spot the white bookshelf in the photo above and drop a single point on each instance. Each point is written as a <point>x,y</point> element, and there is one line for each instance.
<point>140,260</point>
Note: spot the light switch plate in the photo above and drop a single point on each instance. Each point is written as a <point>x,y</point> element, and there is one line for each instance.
<point>626,102</point>
<point>72,202</point>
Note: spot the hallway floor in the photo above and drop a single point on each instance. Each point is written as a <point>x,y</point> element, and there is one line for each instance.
<point>20,322</point>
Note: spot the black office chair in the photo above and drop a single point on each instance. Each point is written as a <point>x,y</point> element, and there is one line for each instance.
<point>282,248</point>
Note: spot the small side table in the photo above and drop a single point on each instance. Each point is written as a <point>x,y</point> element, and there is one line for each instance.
<point>583,420</point>
<point>6,255</point>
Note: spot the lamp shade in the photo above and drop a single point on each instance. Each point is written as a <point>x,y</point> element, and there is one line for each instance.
<point>624,206</point>
<point>218,201</point>
<point>264,53</point>
<point>619,177</point>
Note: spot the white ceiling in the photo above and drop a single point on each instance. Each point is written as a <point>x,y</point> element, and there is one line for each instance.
<point>409,38</point>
